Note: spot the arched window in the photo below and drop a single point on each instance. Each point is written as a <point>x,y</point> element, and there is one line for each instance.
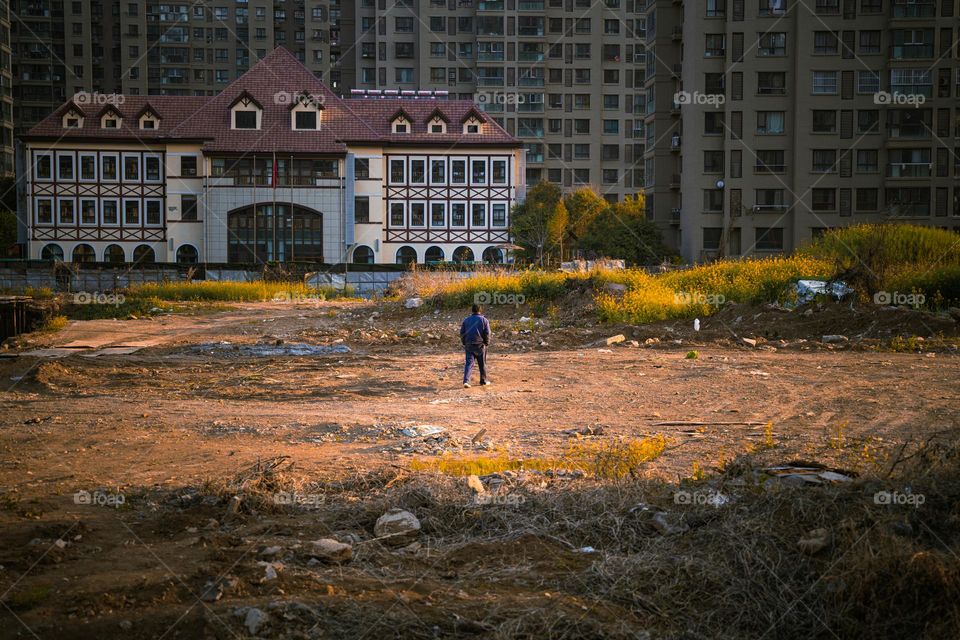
<point>188,254</point>
<point>463,254</point>
<point>84,253</point>
<point>144,254</point>
<point>406,255</point>
<point>363,255</point>
<point>114,253</point>
<point>52,252</point>
<point>493,255</point>
<point>268,232</point>
<point>433,254</point>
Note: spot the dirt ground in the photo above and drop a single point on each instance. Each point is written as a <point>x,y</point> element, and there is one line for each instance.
<point>332,386</point>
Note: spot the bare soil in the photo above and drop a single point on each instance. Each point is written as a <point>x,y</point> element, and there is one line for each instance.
<point>170,426</point>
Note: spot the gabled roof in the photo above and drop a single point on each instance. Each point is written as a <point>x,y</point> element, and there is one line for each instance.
<point>147,108</point>
<point>110,109</point>
<point>400,114</point>
<point>306,99</point>
<point>473,113</point>
<point>245,96</point>
<point>353,120</point>
<point>68,106</point>
<point>437,113</point>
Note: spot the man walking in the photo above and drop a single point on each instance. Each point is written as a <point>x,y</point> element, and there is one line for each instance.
<point>475,336</point>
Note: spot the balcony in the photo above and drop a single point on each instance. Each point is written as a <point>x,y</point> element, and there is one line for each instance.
<point>491,81</point>
<point>530,81</point>
<point>677,33</point>
<point>925,90</point>
<point>490,5</point>
<point>913,10</point>
<point>531,5</point>
<point>530,31</point>
<point>909,170</point>
<point>675,182</point>
<point>769,168</point>
<point>675,215</point>
<point>530,56</point>
<point>770,208</point>
<point>490,56</point>
<point>911,51</point>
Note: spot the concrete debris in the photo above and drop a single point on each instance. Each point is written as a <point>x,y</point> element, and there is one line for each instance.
<point>834,339</point>
<point>254,620</point>
<point>475,484</point>
<point>413,303</point>
<point>750,342</point>
<point>617,339</point>
<point>330,550</point>
<point>397,527</point>
<point>422,431</point>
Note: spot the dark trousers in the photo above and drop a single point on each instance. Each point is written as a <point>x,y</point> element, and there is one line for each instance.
<point>478,352</point>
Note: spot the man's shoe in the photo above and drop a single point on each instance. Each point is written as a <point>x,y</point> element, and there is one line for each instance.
<point>466,385</point>
<point>486,383</point>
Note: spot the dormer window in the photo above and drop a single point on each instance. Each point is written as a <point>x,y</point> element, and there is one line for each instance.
<point>246,112</point>
<point>73,123</point>
<point>401,122</point>
<point>244,119</point>
<point>472,123</point>
<point>306,120</point>
<point>72,118</point>
<point>110,123</point>
<point>437,122</point>
<point>149,120</point>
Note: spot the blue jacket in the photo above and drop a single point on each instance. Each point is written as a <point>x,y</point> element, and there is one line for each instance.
<point>475,331</point>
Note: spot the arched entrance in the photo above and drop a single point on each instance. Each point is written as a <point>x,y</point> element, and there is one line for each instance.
<point>280,232</point>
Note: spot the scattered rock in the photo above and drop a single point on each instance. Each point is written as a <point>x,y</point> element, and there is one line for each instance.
<point>422,431</point>
<point>834,339</point>
<point>126,625</point>
<point>664,526</point>
<point>750,342</point>
<point>615,288</point>
<point>254,620</point>
<point>330,550</point>
<point>475,484</point>
<point>413,303</point>
<point>269,552</point>
<point>617,339</point>
<point>815,542</point>
<point>233,507</point>
<point>397,527</point>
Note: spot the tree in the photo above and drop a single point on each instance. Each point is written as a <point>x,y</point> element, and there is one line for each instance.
<point>583,206</point>
<point>539,223</point>
<point>622,231</point>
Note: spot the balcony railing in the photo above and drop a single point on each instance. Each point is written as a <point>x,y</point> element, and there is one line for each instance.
<point>908,170</point>
<point>493,81</point>
<point>925,90</point>
<point>490,56</point>
<point>914,10</point>
<point>911,51</point>
<point>530,81</point>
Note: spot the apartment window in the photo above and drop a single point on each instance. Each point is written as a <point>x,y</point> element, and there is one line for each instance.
<point>478,215</point>
<point>403,50</point>
<point>610,176</point>
<point>868,121</point>
<point>418,214</point>
<point>771,83</point>
<point>867,200</point>
<point>438,49</point>
<point>716,8</point>
<point>65,167</point>
<point>869,42</point>
<point>438,24</point>
<point>868,82</point>
<point>397,171</point>
<point>824,160</point>
<point>361,168</point>
<point>611,101</point>
<point>403,75</point>
<point>609,152</point>
<point>715,45</point>
<point>824,199</point>
<point>871,6</point>
<point>713,161</point>
<point>770,122</point>
<point>768,238</point>
<point>581,125</point>
<point>713,123</point>
<point>772,8</point>
<point>581,101</point>
<point>403,24</point>
<point>713,200</point>
<point>188,204</point>
<point>396,214</point>
<point>714,84</point>
<point>581,176</point>
<point>611,27</point>
<point>828,7</point>
<point>911,82</point>
<point>867,161</point>
<point>824,82</point>
<point>361,209</point>
<point>611,127</point>
<point>772,44</point>
<point>418,172</point>
<point>151,169</point>
<point>825,42</point>
<point>824,121</point>
<point>581,151</point>
<point>770,161</point>
<point>908,201</point>
<point>769,199</point>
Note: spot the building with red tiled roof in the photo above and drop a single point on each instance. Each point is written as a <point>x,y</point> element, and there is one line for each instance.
<point>274,168</point>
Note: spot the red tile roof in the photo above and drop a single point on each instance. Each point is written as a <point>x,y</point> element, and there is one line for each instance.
<point>275,82</point>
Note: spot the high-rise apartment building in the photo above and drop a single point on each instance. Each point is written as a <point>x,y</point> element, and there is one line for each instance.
<point>565,76</point>
<point>769,121</point>
<point>6,93</point>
